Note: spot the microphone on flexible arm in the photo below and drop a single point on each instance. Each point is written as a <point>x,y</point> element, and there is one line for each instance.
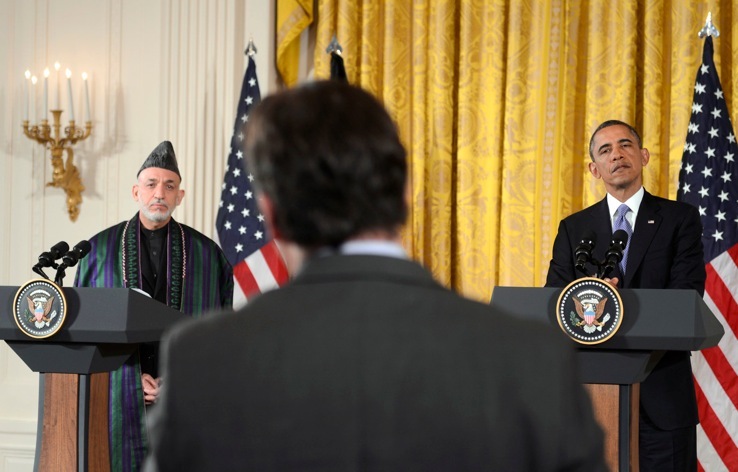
<point>71,258</point>
<point>48,259</point>
<point>583,251</point>
<point>615,253</point>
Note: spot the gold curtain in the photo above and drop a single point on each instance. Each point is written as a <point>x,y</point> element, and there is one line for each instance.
<point>496,100</point>
<point>293,16</point>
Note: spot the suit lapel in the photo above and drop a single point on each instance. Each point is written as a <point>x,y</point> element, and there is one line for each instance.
<point>647,224</point>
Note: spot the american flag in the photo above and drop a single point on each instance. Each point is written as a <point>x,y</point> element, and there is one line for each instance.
<point>257,263</point>
<point>708,181</point>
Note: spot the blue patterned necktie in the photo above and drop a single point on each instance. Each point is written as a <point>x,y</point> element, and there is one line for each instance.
<point>622,223</point>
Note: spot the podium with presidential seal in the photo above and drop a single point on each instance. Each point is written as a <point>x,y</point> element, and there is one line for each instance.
<point>620,335</point>
<point>67,335</point>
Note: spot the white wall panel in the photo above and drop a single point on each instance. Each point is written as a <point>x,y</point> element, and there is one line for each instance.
<point>205,63</point>
<point>17,445</point>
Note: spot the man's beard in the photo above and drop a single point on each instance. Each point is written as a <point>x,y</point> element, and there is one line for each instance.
<point>157,216</point>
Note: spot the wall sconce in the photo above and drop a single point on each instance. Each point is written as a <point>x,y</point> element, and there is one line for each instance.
<point>65,174</point>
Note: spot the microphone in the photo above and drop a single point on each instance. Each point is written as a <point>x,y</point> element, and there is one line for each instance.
<point>47,259</point>
<point>71,258</point>
<point>583,251</point>
<point>79,251</point>
<point>615,253</point>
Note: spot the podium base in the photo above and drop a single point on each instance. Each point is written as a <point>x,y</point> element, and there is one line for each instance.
<point>73,423</point>
<point>616,410</point>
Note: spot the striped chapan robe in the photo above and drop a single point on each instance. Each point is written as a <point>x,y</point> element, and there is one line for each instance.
<point>199,280</point>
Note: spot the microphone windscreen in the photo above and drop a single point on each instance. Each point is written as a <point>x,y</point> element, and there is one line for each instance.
<point>79,251</point>
<point>621,237</point>
<point>59,249</point>
<point>590,237</point>
<point>83,247</point>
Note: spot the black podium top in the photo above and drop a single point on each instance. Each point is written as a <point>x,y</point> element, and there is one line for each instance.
<point>103,327</point>
<point>653,319</point>
<point>98,315</point>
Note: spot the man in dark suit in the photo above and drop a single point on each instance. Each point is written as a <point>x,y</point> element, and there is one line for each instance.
<point>664,251</point>
<point>363,361</point>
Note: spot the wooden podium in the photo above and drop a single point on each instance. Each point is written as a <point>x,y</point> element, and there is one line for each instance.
<point>102,329</point>
<point>654,321</point>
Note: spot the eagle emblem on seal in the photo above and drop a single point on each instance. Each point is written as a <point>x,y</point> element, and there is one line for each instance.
<point>40,311</point>
<point>589,310</point>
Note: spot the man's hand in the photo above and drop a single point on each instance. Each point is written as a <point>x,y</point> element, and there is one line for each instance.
<point>612,281</point>
<point>150,388</point>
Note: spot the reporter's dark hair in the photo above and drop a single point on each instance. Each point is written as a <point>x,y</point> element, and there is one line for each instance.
<point>329,157</point>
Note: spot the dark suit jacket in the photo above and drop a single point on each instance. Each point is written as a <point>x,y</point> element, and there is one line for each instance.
<point>665,252</point>
<point>366,363</point>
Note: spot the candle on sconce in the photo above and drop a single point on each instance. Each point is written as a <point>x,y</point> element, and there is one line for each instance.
<point>46,94</point>
<point>33,97</point>
<point>69,88</point>
<point>57,66</point>
<point>28,92</point>
<point>87,95</point>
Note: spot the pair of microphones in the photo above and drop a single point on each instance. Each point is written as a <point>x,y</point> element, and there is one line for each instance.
<point>613,256</point>
<point>68,257</point>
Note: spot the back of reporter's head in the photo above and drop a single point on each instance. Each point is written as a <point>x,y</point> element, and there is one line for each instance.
<point>328,157</point>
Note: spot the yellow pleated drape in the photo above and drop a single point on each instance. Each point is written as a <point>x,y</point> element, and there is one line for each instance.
<point>496,100</point>
<point>293,16</point>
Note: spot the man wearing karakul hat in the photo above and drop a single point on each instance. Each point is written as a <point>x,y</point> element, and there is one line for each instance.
<point>174,264</point>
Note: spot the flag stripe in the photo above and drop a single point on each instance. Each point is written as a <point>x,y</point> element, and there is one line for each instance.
<point>239,298</point>
<point>274,260</point>
<point>726,264</point>
<point>726,268</point>
<point>723,374</point>
<point>733,253</point>
<point>706,452</point>
<point>721,296</point>
<point>716,433</point>
<point>710,397</point>
<point>713,390</point>
<point>714,382</point>
<point>263,275</point>
<point>728,344</point>
<point>245,278</point>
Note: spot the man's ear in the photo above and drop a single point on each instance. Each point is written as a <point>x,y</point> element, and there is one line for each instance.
<point>180,197</point>
<point>267,209</point>
<point>594,170</point>
<point>645,156</point>
<point>134,192</point>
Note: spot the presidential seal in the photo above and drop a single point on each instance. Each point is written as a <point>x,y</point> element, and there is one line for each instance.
<point>589,310</point>
<point>39,308</point>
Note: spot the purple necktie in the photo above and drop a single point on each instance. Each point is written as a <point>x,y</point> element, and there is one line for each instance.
<point>622,223</point>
